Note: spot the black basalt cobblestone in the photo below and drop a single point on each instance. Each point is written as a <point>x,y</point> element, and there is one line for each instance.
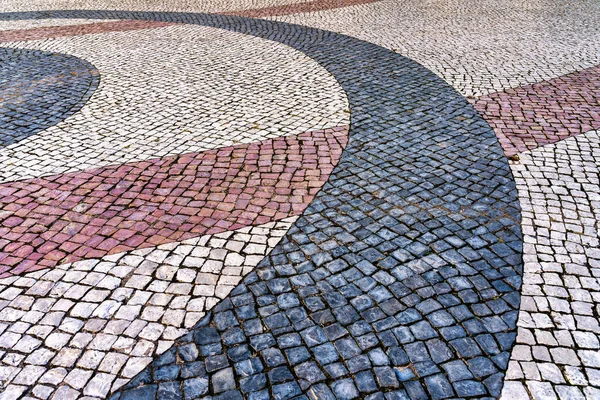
<point>400,280</point>
<point>39,89</point>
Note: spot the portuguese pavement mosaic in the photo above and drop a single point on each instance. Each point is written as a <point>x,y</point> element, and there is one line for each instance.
<point>283,199</point>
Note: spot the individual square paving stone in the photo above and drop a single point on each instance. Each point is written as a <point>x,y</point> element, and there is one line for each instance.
<point>346,315</point>
<point>279,285</point>
<point>359,363</point>
<point>188,352</point>
<point>403,334</point>
<point>249,367</point>
<point>297,355</point>
<point>347,348</point>
<point>457,371</point>
<point>225,320</point>
<point>564,356</point>
<point>344,389</point>
<point>260,395</point>
<point>569,392</point>
<point>488,344</point>
<point>367,341</point>
<point>415,390</point>
<point>589,358</point>
<point>280,374</point>
<point>365,382</point>
<point>336,370</point>
<point>386,377</point>
<point>439,387</point>
<point>378,357</point>
<point>195,369</point>
<point>466,347</point>
<point>426,368</point>
<point>313,336</point>
<point>289,340</point>
<point>417,352</point>
<point>195,387</point>
<point>310,372</point>
<point>169,390</point>
<point>438,351</point>
<point>481,366</point>
<point>335,331</point>
<point>253,383</point>
<point>422,330</point>
<point>551,372</point>
<point>469,389</point>
<point>541,390</point>
<point>272,357</point>
<point>216,362</point>
<point>325,353</point>
<point>260,342</point>
<point>286,391</point>
<point>223,380</point>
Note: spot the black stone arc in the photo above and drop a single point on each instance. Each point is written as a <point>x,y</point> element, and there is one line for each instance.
<point>39,89</point>
<point>401,280</point>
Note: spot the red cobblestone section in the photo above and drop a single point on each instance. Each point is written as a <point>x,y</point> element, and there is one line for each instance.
<point>531,116</point>
<point>68,217</point>
<point>297,8</point>
<point>50,32</point>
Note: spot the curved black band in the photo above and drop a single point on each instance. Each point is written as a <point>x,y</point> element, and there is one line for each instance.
<point>401,278</point>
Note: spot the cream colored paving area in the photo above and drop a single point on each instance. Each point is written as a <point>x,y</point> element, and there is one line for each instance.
<point>146,5</point>
<point>557,352</point>
<point>87,328</point>
<point>43,23</point>
<point>173,90</point>
<point>478,47</point>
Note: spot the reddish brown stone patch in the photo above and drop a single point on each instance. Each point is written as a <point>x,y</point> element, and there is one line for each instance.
<point>297,8</point>
<point>51,32</point>
<point>68,217</point>
<point>530,116</point>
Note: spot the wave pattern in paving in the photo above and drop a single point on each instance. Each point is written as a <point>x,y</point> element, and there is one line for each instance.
<point>67,217</point>
<point>530,116</point>
<point>401,276</point>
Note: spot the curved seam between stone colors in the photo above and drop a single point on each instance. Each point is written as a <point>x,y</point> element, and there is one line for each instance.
<point>53,32</point>
<point>451,181</point>
<point>529,116</point>
<point>253,184</point>
<point>78,105</point>
<point>296,8</point>
<point>75,30</point>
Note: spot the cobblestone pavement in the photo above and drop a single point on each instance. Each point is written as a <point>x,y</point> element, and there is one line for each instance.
<point>375,199</point>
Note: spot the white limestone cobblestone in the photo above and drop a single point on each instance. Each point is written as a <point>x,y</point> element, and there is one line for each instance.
<point>86,328</point>
<point>558,349</point>
<point>173,90</point>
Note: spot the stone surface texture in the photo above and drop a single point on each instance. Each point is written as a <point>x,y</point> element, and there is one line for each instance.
<point>299,199</point>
